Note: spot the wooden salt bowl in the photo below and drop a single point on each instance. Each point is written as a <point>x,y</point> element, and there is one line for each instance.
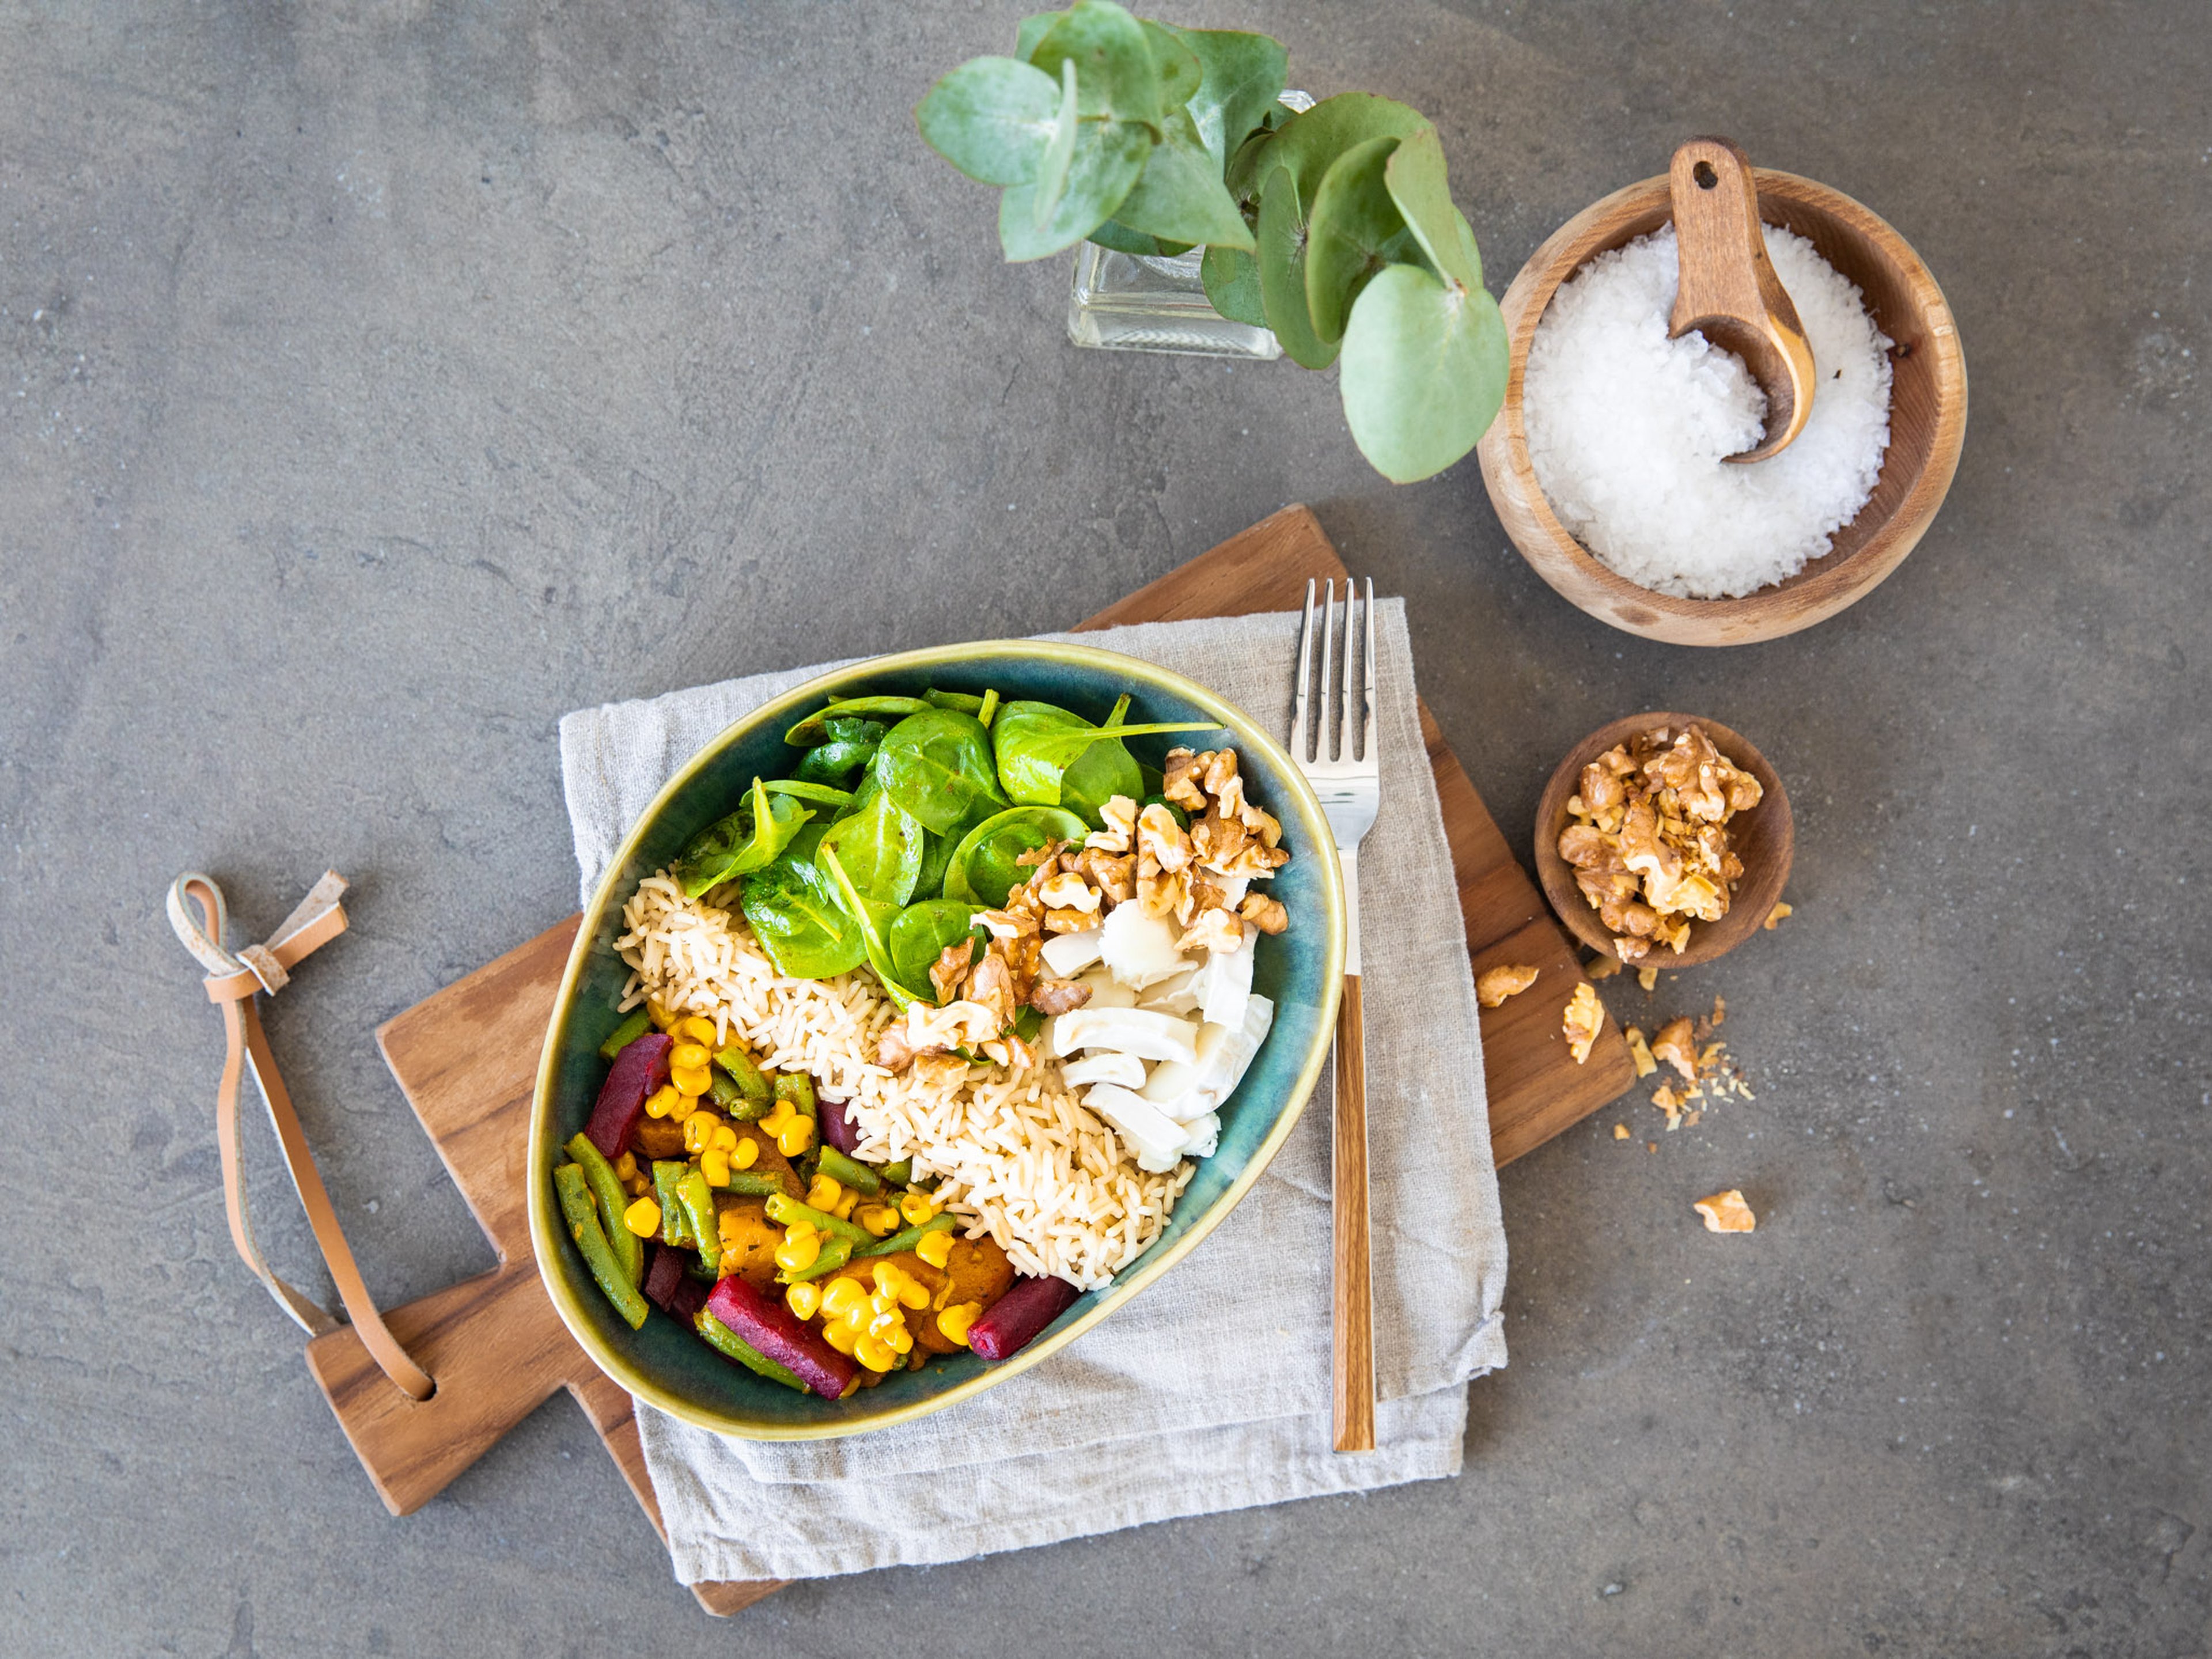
<point>1764,836</point>
<point>1927,420</point>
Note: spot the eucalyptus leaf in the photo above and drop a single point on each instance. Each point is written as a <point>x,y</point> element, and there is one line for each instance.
<point>991,117</point>
<point>1050,182</point>
<point>1118,236</point>
<point>1032,29</point>
<point>1307,144</point>
<point>1355,231</point>
<point>1425,365</point>
<point>1113,64</point>
<point>1232,284</point>
<point>1180,195</point>
<point>1241,78</point>
<point>937,767</point>
<point>1108,159</point>
<point>1174,63</point>
<point>1282,257</point>
<point>1415,178</point>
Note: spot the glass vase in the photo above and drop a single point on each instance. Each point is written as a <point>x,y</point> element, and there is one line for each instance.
<point>1145,303</point>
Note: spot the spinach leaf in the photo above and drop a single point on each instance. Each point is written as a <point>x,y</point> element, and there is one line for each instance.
<point>870,917</point>
<point>881,847</point>
<point>936,766</point>
<point>964,702</point>
<point>815,728</point>
<point>1036,743</point>
<point>983,870</point>
<point>849,745</point>
<point>745,841</point>
<point>919,934</point>
<point>936,855</point>
<point>793,910</point>
<point>804,791</point>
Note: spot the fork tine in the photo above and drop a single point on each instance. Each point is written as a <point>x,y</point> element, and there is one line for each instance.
<point>1328,748</point>
<point>1367,742</point>
<point>1351,716</point>
<point>1299,732</point>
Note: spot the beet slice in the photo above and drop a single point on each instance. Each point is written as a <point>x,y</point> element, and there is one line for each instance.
<point>691,1296</point>
<point>665,1273</point>
<point>775,1332</point>
<point>1009,1323</point>
<point>839,1128</point>
<point>638,1071</point>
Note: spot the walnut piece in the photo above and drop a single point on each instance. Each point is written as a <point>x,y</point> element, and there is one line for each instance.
<point>1726,1213</point>
<point>1215,930</point>
<point>1059,996</point>
<point>1496,984</point>
<point>1582,1021</point>
<point>951,967</point>
<point>1640,1052</point>
<point>1120,815</point>
<point>1263,913</point>
<point>1677,1047</point>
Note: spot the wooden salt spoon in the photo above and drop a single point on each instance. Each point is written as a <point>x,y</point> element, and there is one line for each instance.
<point>1728,291</point>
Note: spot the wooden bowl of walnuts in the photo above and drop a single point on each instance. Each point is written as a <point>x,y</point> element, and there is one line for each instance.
<point>1689,821</point>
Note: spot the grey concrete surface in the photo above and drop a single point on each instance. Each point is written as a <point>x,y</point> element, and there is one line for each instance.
<point>382,379</point>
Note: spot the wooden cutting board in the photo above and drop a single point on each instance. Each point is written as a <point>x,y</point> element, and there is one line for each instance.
<point>467,1060</point>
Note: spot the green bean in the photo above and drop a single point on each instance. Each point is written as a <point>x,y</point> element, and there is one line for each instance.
<point>751,1081</point>
<point>940,1222</point>
<point>798,1088</point>
<point>627,1032</point>
<point>698,1201</point>
<point>667,1172</point>
<point>898,1174</point>
<point>849,1172</point>
<point>752,1184</point>
<point>724,1094</point>
<point>787,1210</point>
<point>723,1339</point>
<point>835,1253</point>
<point>591,1240</point>
<point>606,1186</point>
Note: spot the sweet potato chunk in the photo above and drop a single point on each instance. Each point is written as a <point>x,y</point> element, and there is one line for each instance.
<point>749,1242</point>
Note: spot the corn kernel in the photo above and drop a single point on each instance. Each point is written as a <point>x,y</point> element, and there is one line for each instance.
<point>714,1164</point>
<point>638,1184</point>
<point>663,1102</point>
<point>724,1140</point>
<point>642,1218</point>
<point>842,1209</point>
<point>875,1354</point>
<point>801,1246</point>
<point>698,1131</point>
<point>744,1154</point>
<point>880,1219</point>
<point>839,1335</point>
<point>803,1298</point>
<point>690,1080</point>
<point>626,1166</point>
<point>954,1321</point>
<point>824,1192</point>
<point>661,1018</point>
<point>935,1249</point>
<point>915,1207</point>
<point>898,1339</point>
<point>696,1028</point>
<point>843,1297</point>
<point>794,1130</point>
<point>688,1057</point>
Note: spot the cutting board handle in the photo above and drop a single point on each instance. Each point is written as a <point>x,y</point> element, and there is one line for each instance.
<point>498,1352</point>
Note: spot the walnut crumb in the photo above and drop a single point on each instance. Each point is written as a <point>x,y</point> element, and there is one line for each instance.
<point>1621,1132</point>
<point>1648,978</point>
<point>1499,983</point>
<point>1674,1045</point>
<point>1640,1052</point>
<point>1581,1021</point>
<point>1726,1213</point>
<point>1603,968</point>
<point>1774,917</point>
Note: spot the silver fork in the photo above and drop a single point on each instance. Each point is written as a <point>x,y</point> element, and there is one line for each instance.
<point>1350,785</point>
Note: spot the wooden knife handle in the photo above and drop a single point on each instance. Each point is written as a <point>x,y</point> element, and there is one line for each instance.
<point>1355,1300</point>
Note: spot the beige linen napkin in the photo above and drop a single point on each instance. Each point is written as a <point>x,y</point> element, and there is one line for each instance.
<point>1210,1391</point>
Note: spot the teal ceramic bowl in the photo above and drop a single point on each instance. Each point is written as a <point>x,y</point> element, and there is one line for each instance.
<point>1301,970</point>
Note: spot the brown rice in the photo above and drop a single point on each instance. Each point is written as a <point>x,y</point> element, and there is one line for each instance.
<point>1017,1153</point>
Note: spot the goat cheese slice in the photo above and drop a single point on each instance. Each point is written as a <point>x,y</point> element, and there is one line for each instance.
<point>1179,995</point>
<point>1069,954</point>
<point>1224,983</point>
<point>1188,1091</point>
<point>1201,1136</point>
<point>1157,1139</point>
<point>1139,950</point>
<point>1103,1065</point>
<point>1138,1031</point>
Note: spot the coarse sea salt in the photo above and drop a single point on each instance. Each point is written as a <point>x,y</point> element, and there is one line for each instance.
<point>1627,428</point>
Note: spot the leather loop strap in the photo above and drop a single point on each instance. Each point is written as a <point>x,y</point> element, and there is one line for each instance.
<point>197,912</point>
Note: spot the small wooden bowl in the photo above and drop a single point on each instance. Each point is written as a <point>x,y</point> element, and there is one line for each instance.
<point>1927,420</point>
<point>1763,836</point>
